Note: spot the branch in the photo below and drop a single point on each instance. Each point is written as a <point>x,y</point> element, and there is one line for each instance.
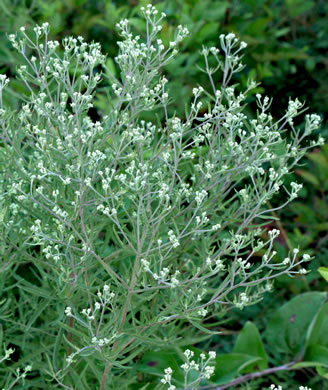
<point>248,377</point>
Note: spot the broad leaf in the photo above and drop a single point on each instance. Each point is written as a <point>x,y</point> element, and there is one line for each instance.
<point>317,354</point>
<point>155,362</point>
<point>287,329</point>
<point>322,372</point>
<point>318,330</point>
<point>249,342</point>
<point>228,366</point>
<point>324,272</point>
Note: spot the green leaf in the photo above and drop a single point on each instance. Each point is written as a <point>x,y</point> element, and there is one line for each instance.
<point>155,362</point>
<point>298,7</point>
<point>218,12</point>
<point>1,334</point>
<point>249,342</point>
<point>308,177</point>
<point>30,288</point>
<point>305,364</point>
<point>322,372</point>
<point>208,31</point>
<point>319,159</point>
<point>318,330</point>
<point>111,66</point>
<point>56,349</point>
<point>87,352</point>
<point>74,331</point>
<point>228,366</point>
<point>317,354</point>
<point>322,227</point>
<point>287,329</point>
<point>38,312</point>
<point>139,24</point>
<point>281,32</point>
<point>205,330</point>
<point>156,342</point>
<point>258,26</point>
<point>324,272</point>
<point>132,355</point>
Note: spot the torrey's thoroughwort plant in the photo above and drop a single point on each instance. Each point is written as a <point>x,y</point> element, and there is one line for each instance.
<point>121,234</point>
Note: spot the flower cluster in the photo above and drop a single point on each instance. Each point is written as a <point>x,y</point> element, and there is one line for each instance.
<point>202,367</point>
<point>275,387</point>
<point>94,321</point>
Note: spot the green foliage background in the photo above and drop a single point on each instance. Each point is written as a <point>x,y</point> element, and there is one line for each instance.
<point>287,52</point>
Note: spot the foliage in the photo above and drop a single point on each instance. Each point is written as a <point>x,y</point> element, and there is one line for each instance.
<point>296,336</point>
<point>304,225</point>
<point>287,50</point>
<point>133,231</point>
<point>287,39</point>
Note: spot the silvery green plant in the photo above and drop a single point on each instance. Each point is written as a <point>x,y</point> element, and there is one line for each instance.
<point>134,231</point>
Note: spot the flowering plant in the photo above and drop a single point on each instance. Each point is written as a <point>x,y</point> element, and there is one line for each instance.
<point>133,231</point>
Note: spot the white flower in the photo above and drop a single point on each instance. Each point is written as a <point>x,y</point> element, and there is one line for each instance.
<point>168,375</point>
<point>274,233</point>
<point>202,312</point>
<point>286,261</point>
<point>188,354</point>
<point>273,387</point>
<point>69,359</point>
<point>212,354</point>
<point>173,239</point>
<point>67,181</point>
<point>68,311</point>
<point>209,371</point>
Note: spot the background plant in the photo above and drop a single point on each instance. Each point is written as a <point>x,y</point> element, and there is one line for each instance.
<point>23,268</point>
<point>295,344</point>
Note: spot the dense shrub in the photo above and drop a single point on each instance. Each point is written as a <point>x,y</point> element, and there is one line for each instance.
<point>121,233</point>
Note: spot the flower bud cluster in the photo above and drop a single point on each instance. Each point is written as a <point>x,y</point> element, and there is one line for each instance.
<point>202,367</point>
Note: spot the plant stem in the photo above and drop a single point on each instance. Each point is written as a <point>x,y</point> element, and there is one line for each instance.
<point>105,375</point>
<point>254,375</point>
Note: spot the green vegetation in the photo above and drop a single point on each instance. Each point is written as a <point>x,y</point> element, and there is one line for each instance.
<point>287,47</point>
